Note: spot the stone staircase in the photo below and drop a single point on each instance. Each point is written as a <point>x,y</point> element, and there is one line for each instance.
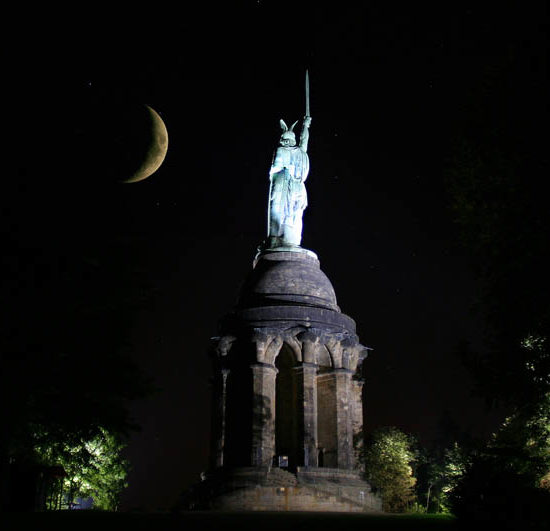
<point>276,489</point>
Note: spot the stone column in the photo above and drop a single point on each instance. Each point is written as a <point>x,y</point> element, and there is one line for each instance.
<point>219,424</point>
<point>357,420</point>
<point>306,379</point>
<point>343,418</point>
<point>263,414</point>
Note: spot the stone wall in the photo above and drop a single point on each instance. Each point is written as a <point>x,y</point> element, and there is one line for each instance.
<point>326,420</point>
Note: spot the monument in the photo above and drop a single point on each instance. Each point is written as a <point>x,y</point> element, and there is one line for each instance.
<point>287,402</point>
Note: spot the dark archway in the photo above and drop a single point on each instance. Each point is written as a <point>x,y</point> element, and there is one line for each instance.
<point>286,408</point>
<point>239,405</point>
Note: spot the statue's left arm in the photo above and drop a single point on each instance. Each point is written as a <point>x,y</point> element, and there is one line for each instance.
<point>278,163</point>
<point>304,137</point>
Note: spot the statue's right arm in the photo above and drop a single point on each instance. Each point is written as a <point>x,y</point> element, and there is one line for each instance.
<point>304,137</point>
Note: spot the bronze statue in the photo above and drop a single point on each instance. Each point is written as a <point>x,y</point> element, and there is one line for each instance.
<point>287,193</point>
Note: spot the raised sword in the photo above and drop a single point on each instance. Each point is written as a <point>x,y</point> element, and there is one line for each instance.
<point>307,94</point>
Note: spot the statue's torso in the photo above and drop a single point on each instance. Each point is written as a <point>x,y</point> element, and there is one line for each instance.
<point>293,159</point>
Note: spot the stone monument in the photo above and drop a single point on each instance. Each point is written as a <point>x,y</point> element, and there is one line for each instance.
<point>287,404</point>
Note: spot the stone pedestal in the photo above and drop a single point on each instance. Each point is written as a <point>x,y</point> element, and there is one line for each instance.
<point>287,399</point>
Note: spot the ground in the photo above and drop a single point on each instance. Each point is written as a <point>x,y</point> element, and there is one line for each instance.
<point>84,521</point>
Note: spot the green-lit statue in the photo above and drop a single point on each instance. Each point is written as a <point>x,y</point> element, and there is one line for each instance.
<point>287,193</point>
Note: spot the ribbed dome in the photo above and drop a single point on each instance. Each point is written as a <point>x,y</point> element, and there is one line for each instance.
<point>283,278</point>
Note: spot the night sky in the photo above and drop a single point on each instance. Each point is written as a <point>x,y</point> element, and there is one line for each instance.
<point>392,87</point>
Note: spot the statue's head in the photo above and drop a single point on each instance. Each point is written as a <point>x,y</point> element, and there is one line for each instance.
<point>288,138</point>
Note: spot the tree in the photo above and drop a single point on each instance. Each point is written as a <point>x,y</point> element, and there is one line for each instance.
<point>67,378</point>
<point>94,468</point>
<point>505,227</point>
<point>439,472</point>
<point>495,180</point>
<point>506,481</point>
<point>388,456</point>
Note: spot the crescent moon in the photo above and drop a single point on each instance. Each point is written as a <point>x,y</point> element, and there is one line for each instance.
<point>157,149</point>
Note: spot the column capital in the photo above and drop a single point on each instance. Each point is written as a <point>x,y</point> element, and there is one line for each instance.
<point>222,344</point>
<point>260,365</point>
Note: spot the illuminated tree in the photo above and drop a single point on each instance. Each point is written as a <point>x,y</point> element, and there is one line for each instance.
<point>94,468</point>
<point>438,474</point>
<point>66,376</point>
<point>388,456</point>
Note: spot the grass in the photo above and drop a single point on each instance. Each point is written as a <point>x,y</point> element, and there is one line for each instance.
<point>205,521</point>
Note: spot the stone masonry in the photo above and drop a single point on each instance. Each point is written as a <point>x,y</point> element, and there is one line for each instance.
<point>287,396</point>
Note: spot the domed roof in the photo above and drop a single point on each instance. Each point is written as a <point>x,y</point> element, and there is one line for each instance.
<point>287,278</point>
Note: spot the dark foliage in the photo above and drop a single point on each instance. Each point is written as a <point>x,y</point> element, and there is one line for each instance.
<point>492,493</point>
<point>65,369</point>
<point>495,181</point>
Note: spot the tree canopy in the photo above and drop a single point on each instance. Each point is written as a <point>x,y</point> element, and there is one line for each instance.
<point>388,455</point>
<point>495,180</point>
<point>67,378</point>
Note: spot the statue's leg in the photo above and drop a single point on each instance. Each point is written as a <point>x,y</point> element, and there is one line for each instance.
<point>292,232</point>
<point>276,221</point>
<point>276,209</point>
<point>298,228</point>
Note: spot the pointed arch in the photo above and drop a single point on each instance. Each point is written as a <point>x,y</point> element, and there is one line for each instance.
<point>287,407</point>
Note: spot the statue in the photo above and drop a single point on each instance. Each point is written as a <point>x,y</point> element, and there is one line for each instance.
<point>287,195</point>
<point>287,191</point>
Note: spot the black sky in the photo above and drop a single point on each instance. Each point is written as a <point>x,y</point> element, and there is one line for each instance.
<point>392,87</point>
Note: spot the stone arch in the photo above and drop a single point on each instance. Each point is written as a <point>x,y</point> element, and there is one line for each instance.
<point>288,345</point>
<point>329,357</point>
<point>287,407</point>
<point>296,347</point>
<point>323,357</point>
<point>272,350</point>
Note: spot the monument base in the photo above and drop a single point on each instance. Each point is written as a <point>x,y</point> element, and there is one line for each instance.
<point>268,246</point>
<point>274,489</point>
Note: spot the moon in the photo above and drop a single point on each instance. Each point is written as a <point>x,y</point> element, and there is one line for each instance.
<point>156,149</point>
